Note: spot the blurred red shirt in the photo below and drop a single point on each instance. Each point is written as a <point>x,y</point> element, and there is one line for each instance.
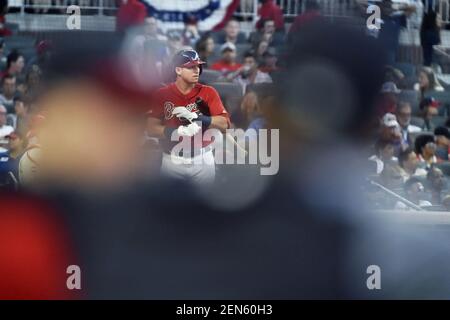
<point>34,251</point>
<point>225,67</point>
<point>270,11</point>
<point>130,14</point>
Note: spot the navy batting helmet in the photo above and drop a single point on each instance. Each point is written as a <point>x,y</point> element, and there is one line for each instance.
<point>187,58</point>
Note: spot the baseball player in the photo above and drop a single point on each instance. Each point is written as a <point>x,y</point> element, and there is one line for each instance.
<point>189,108</point>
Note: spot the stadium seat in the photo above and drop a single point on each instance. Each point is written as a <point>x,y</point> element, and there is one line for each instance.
<point>438,120</point>
<point>228,89</point>
<point>445,167</point>
<point>209,76</point>
<point>417,121</point>
<point>241,50</point>
<point>231,94</point>
<point>260,88</point>
<point>414,135</point>
<point>408,69</point>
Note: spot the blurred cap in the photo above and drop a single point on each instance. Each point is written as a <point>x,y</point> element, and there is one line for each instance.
<point>390,87</point>
<point>389,120</point>
<point>186,58</point>
<point>43,46</point>
<point>13,135</point>
<point>227,46</point>
<point>429,102</point>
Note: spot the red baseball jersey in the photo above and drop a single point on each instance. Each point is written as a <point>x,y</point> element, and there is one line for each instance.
<point>169,97</point>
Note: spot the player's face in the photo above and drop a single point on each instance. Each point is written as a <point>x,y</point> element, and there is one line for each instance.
<point>190,74</point>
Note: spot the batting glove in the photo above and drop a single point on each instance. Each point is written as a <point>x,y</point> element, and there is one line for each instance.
<point>182,112</point>
<point>189,131</point>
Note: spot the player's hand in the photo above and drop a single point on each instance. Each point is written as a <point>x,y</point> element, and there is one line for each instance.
<point>182,112</point>
<point>189,131</point>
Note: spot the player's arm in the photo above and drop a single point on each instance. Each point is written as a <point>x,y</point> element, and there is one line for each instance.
<point>155,127</point>
<point>219,116</point>
<point>219,122</point>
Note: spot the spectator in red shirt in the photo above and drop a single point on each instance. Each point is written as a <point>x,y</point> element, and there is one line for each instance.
<point>310,14</point>
<point>131,13</point>
<point>270,11</point>
<point>228,62</point>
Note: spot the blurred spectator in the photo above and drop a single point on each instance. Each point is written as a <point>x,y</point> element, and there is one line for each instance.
<point>44,51</point>
<point>394,17</point>
<point>190,33</point>
<point>269,61</point>
<point>249,106</point>
<point>388,99</point>
<point>15,64</point>
<point>151,30</point>
<point>391,177</point>
<point>311,12</point>
<point>442,135</point>
<point>269,34</point>
<point>429,108</point>
<point>427,82</point>
<point>9,90</point>
<point>384,153</point>
<point>16,147</point>
<point>174,44</point>
<point>205,47</point>
<point>2,55</point>
<point>32,81</point>
<point>404,120</point>
<point>249,73</point>
<point>261,49</point>
<point>131,13</point>
<point>4,129</point>
<point>408,162</point>
<point>4,31</point>
<point>390,131</point>
<point>228,62</point>
<point>430,30</point>
<point>414,192</point>
<point>269,10</point>
<point>19,120</point>
<point>437,182</point>
<point>255,106</point>
<point>446,202</point>
<point>231,33</point>
<point>425,148</point>
<point>394,75</point>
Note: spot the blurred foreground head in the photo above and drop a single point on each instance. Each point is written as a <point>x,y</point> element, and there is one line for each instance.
<point>331,77</point>
<point>92,131</point>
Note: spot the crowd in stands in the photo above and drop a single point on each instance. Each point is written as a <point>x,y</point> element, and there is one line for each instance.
<point>411,149</point>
